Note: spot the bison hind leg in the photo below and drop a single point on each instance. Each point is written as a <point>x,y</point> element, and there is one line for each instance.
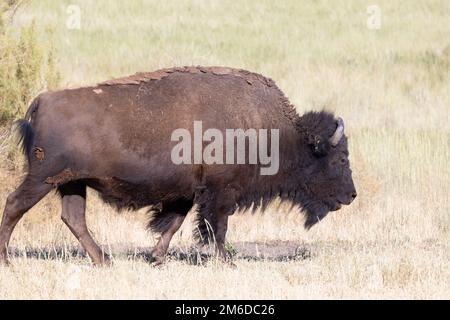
<point>30,192</point>
<point>160,221</point>
<point>163,215</point>
<point>167,220</point>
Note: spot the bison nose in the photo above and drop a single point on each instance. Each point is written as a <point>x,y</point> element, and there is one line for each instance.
<point>353,196</point>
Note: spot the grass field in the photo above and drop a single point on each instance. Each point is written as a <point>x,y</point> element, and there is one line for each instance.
<point>392,87</point>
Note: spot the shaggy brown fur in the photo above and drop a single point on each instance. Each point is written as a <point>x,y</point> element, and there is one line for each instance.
<point>115,138</point>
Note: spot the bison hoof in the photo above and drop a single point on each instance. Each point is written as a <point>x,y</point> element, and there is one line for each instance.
<point>4,262</point>
<point>156,264</point>
<point>157,261</point>
<point>103,262</point>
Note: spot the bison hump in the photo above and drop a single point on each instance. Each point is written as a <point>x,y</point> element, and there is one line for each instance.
<point>141,77</point>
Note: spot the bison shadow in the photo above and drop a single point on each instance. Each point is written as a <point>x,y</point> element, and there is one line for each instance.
<point>276,251</point>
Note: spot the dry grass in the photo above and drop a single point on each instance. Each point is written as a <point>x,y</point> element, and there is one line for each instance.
<point>392,88</point>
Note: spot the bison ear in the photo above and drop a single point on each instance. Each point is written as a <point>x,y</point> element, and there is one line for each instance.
<point>319,146</point>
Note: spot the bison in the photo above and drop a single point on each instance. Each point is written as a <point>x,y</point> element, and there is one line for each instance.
<point>115,138</point>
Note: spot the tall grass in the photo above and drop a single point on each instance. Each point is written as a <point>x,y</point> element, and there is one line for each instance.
<point>390,85</point>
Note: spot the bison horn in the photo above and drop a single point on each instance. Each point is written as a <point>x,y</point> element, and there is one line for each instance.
<point>337,135</point>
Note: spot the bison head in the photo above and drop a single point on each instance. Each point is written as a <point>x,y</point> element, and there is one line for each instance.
<point>326,175</point>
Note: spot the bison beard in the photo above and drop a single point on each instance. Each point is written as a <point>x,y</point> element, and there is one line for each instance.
<point>115,139</point>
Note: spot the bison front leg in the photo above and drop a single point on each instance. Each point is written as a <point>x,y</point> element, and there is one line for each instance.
<point>167,222</point>
<point>219,225</point>
<point>222,227</point>
<point>212,219</point>
<point>73,214</point>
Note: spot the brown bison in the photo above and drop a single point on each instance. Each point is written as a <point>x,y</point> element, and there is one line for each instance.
<point>117,138</point>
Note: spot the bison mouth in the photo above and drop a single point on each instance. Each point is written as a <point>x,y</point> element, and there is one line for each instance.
<point>336,206</point>
<point>335,203</point>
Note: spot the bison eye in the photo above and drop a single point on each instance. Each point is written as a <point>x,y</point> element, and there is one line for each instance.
<point>343,161</point>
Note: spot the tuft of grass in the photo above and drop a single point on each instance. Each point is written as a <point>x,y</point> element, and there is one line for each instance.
<point>230,249</point>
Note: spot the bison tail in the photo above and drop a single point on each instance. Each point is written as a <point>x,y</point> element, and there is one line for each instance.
<point>26,135</point>
<point>25,130</point>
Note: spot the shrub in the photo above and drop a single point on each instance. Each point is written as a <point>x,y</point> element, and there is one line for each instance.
<point>26,66</point>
